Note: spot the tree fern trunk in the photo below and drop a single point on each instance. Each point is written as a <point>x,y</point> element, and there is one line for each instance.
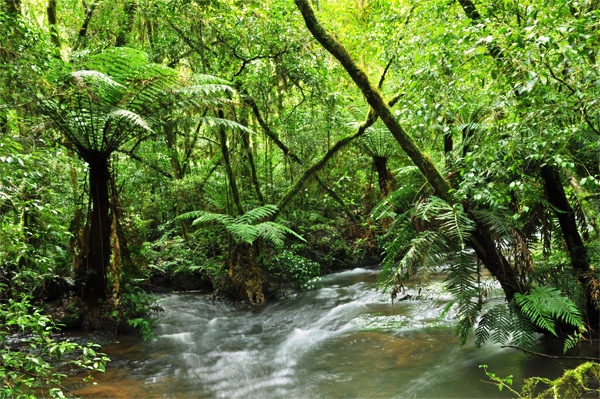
<point>93,272</point>
<point>172,149</point>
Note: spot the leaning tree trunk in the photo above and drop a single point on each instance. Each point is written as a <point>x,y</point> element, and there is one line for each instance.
<point>482,241</point>
<point>92,272</point>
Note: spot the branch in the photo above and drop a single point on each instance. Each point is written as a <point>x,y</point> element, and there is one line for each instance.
<point>338,199</point>
<point>371,119</point>
<point>246,61</point>
<point>321,163</point>
<point>593,359</point>
<point>389,64</point>
<point>297,105</point>
<point>140,160</point>
<point>573,91</point>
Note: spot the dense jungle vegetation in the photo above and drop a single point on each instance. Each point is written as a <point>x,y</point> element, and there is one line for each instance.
<point>249,147</point>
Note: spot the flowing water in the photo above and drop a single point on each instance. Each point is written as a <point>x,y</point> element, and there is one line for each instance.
<point>344,340</point>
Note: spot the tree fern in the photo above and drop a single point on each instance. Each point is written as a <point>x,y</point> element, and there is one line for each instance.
<point>245,228</point>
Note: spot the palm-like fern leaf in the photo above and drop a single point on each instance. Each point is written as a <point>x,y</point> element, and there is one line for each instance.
<point>208,217</point>
<point>225,123</point>
<point>542,305</point>
<point>503,324</point>
<point>130,118</point>
<point>243,232</point>
<point>275,232</point>
<point>256,214</point>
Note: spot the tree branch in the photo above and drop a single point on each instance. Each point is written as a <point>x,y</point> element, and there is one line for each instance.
<point>593,359</point>
<point>140,160</point>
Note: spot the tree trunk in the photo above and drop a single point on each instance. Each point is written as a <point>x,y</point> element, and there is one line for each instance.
<point>13,6</point>
<point>172,149</point>
<point>51,10</point>
<point>82,35</point>
<point>553,187</point>
<point>93,271</point>
<point>252,164</point>
<point>387,182</point>
<point>230,176</point>
<point>566,218</point>
<point>129,9</point>
<point>375,100</point>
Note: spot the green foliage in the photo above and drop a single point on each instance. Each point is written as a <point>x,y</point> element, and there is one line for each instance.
<point>444,231</point>
<point>32,358</point>
<point>138,307</point>
<point>122,96</point>
<point>301,272</point>
<point>573,383</point>
<point>542,305</point>
<point>505,325</point>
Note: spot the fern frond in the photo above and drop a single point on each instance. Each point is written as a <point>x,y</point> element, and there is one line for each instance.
<point>275,232</point>
<point>257,214</point>
<point>206,217</point>
<point>544,304</point>
<point>503,324</point>
<point>453,222</point>
<point>205,90</point>
<point>494,221</point>
<point>243,232</point>
<point>190,215</point>
<point>203,79</point>
<point>420,253</point>
<point>523,331</point>
<point>131,118</point>
<point>225,123</point>
<point>84,77</point>
<point>463,283</point>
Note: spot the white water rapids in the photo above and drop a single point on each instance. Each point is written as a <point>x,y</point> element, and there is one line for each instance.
<point>344,340</point>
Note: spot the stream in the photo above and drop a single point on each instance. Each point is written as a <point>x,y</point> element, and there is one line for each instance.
<point>343,340</point>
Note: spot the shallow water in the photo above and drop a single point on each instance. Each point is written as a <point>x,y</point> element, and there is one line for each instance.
<point>344,340</point>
